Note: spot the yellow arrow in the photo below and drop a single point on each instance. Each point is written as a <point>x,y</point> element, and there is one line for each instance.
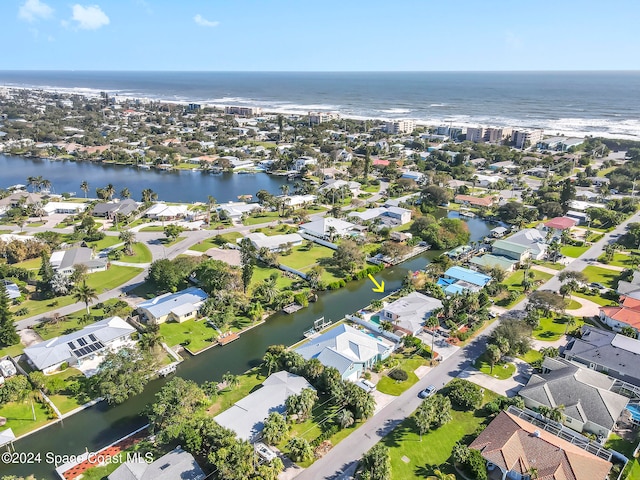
<point>379,286</point>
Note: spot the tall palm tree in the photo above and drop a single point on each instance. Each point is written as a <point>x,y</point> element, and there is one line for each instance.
<point>84,186</point>
<point>125,193</point>
<point>84,293</point>
<point>129,238</point>
<point>110,191</point>
<point>149,195</point>
<point>270,361</point>
<point>45,184</point>
<point>211,202</point>
<point>285,189</point>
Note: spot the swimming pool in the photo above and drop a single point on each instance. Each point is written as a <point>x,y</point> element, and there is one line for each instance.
<point>634,408</point>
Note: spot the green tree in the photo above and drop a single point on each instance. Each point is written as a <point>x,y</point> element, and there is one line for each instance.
<point>344,418</point>
<point>8,334</point>
<point>493,354</point>
<point>234,461</point>
<point>270,362</point>
<point>231,380</point>
<point>376,463</point>
<point>85,294</point>
<point>299,449</point>
<point>172,231</point>
<point>128,237</point>
<point>149,195</point>
<point>123,374</point>
<point>465,393</point>
<point>433,412</point>
<point>84,186</point>
<point>275,429</point>
<point>125,193</point>
<point>348,256</point>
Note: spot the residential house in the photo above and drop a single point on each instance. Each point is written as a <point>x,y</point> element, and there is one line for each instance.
<point>489,261</point>
<point>459,279</point>
<point>626,314</point>
<point>387,216</point>
<point>409,313</point>
<point>175,464</point>
<point>513,250</point>
<point>417,177</point>
<point>629,288</point>
<point>161,211</point>
<point>486,180</point>
<point>533,239</point>
<point>67,208</point>
<point>327,228</point>
<point>110,334</point>
<point>499,232</point>
<point>589,403</point>
<point>246,417</point>
<point>400,236</point>
<point>517,448</point>
<point>615,355</point>
<point>275,243</point>
<point>558,224</point>
<point>354,187</point>
<point>475,201</point>
<point>173,307</point>
<point>349,350</point>
<point>304,162</point>
<point>236,210</point>
<point>19,198</point>
<point>109,209</point>
<point>64,261</point>
<point>298,200</point>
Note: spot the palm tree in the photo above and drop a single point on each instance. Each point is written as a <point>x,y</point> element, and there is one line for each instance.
<point>32,182</point>
<point>571,321</point>
<point>84,293</point>
<point>149,195</point>
<point>332,231</point>
<point>45,184</point>
<point>84,186</point>
<point>231,380</point>
<point>125,193</point>
<point>110,191</point>
<point>211,203</point>
<point>270,361</point>
<point>285,189</point>
<point>129,238</point>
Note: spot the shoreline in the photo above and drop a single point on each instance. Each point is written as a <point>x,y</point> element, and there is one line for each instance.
<point>304,109</point>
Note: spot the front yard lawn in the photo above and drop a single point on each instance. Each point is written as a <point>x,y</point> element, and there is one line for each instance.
<point>38,307</point>
<point>248,383</point>
<point>409,364</point>
<point>261,273</point>
<point>106,242</point>
<point>531,356</point>
<point>501,370</point>
<point>141,254</point>
<point>514,283</point>
<point>263,217</point>
<point>553,327</point>
<point>606,277</point>
<point>115,276</point>
<point>553,265</point>
<point>603,302</point>
<point>199,334</point>
<point>573,305</point>
<point>572,251</point>
<point>434,451</point>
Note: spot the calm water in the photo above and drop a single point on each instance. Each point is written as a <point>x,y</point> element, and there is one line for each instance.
<point>603,103</point>
<point>176,186</point>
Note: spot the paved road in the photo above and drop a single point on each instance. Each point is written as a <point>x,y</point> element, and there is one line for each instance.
<point>342,460</point>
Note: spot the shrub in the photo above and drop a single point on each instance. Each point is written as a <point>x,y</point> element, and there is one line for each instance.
<point>398,374</point>
<point>64,366</point>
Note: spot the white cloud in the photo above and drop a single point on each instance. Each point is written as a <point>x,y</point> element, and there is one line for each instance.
<point>32,10</point>
<point>203,22</point>
<point>90,17</point>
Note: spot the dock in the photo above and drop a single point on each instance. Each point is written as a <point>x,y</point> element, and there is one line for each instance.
<point>318,325</point>
<point>292,308</point>
<point>228,338</point>
<point>169,369</point>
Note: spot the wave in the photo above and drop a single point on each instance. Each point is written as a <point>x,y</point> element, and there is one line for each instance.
<point>438,105</point>
<point>396,110</point>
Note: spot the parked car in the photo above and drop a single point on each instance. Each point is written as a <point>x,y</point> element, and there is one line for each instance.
<point>427,392</point>
<point>597,285</point>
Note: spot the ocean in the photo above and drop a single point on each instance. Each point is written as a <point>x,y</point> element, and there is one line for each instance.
<point>572,103</point>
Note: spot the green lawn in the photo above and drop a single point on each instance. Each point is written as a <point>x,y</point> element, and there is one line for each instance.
<point>106,242</point>
<point>261,273</point>
<point>204,245</point>
<point>514,283</point>
<point>573,252</point>
<point>169,243</point>
<point>531,356</point>
<point>263,217</point>
<point>141,254</point>
<point>371,188</point>
<point>37,307</point>
<point>302,258</point>
<point>248,382</point>
<point>31,264</point>
<point>603,302</point>
<point>12,351</point>
<point>64,400</point>
<point>435,448</point>
<point>393,387</point>
<point>573,305</point>
<point>19,416</point>
<point>621,260</point>
<point>608,278</point>
<point>554,266</point>
<point>501,371</point>
<point>552,328</point>
<point>115,276</point>
<point>199,333</point>
<point>152,228</point>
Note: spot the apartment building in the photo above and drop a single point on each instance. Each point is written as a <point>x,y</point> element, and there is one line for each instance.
<point>316,118</point>
<point>526,138</point>
<point>400,126</point>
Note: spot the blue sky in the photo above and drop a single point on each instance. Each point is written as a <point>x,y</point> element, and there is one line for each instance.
<point>324,35</point>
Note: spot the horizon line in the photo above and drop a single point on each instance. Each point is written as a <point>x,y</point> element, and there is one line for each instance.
<point>323,71</point>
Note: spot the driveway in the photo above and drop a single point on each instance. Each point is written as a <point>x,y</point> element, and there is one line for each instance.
<point>440,345</point>
<point>508,387</point>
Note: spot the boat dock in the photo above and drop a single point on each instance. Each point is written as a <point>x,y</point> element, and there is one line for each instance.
<point>169,369</point>
<point>228,338</point>
<point>292,308</point>
<point>319,325</point>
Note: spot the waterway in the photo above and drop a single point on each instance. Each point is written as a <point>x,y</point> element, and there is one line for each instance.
<point>174,186</point>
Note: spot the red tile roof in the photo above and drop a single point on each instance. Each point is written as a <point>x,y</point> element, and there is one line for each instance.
<point>561,223</point>
<point>479,201</point>
<point>512,443</point>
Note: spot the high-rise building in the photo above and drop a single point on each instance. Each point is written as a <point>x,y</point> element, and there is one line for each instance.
<point>475,134</point>
<point>497,134</point>
<point>400,126</point>
<point>316,118</point>
<point>526,138</point>
<point>243,111</point>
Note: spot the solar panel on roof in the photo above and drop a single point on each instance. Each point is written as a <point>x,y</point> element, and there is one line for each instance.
<point>71,345</point>
<point>92,337</point>
<point>82,342</point>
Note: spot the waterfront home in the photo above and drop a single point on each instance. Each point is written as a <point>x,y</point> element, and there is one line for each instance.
<point>175,464</point>
<point>611,353</point>
<point>558,224</point>
<point>475,201</point>
<point>459,279</point>
<point>236,210</point>
<point>589,403</point>
<point>347,349</point>
<point>531,238</point>
<point>409,313</point>
<point>275,243</point>
<point>626,314</point>
<point>173,307</point>
<point>64,261</point>
<point>386,216</point>
<point>109,209</point>
<point>327,228</point>
<point>246,417</point>
<point>18,199</point>
<point>161,211</point>
<point>499,232</point>
<point>304,162</point>
<point>516,448</point>
<point>512,250</point>
<point>68,208</point>
<point>297,200</point>
<point>83,348</point>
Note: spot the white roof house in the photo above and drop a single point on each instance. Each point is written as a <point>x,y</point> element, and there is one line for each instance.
<point>533,239</point>
<point>324,227</point>
<point>75,347</point>
<point>409,313</point>
<point>297,200</point>
<point>64,260</point>
<point>274,242</point>
<point>246,417</point>
<point>161,210</point>
<point>235,210</point>
<point>179,306</point>
<point>389,215</point>
<point>175,464</point>
<point>347,349</point>
<point>69,208</point>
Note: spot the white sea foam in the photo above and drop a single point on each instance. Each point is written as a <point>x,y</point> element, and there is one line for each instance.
<point>396,110</point>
